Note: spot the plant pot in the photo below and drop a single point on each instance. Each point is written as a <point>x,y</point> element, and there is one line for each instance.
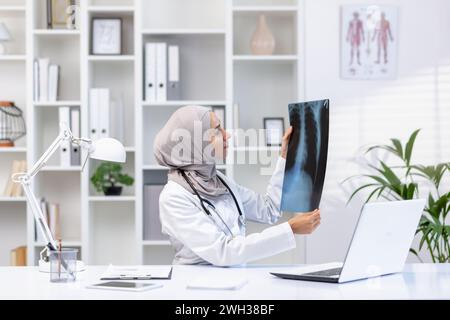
<point>113,191</point>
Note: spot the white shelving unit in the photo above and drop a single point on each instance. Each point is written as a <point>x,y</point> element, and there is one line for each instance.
<point>217,69</point>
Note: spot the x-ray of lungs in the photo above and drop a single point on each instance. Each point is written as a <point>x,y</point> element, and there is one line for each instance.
<point>307,156</point>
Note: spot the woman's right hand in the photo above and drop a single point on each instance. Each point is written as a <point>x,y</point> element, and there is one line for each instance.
<point>305,223</point>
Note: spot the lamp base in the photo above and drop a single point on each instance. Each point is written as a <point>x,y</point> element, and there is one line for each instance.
<point>44,267</point>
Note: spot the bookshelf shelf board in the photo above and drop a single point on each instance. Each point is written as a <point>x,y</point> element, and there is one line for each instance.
<point>113,199</point>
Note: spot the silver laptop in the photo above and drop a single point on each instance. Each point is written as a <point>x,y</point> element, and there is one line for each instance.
<point>380,244</point>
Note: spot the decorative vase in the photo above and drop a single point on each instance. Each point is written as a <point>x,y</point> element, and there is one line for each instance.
<point>263,41</point>
<point>112,191</point>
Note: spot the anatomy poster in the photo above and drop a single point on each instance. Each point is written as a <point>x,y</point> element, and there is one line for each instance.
<point>307,156</point>
<point>369,42</point>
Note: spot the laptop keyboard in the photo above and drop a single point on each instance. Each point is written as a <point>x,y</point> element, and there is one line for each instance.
<point>325,273</point>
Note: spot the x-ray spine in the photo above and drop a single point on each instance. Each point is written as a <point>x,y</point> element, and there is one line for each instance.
<point>307,156</point>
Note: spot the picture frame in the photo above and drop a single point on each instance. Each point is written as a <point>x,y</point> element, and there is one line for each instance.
<point>106,36</point>
<point>369,42</point>
<point>274,129</point>
<point>58,14</point>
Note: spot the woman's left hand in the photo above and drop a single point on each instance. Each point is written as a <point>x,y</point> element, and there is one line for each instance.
<point>285,144</point>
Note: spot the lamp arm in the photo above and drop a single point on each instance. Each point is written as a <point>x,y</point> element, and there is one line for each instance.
<point>39,216</point>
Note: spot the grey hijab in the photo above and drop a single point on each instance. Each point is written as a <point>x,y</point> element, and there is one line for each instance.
<point>183,144</point>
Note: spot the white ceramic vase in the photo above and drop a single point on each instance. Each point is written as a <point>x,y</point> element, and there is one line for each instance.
<point>263,41</point>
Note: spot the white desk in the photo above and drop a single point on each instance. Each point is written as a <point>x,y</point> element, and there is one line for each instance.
<point>420,281</point>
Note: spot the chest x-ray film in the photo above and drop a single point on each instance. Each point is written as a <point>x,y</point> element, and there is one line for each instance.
<point>307,156</point>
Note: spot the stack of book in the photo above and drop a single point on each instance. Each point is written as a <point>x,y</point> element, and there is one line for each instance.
<point>52,215</point>
<point>18,257</point>
<point>46,80</point>
<point>14,189</point>
<point>106,116</point>
<point>162,72</point>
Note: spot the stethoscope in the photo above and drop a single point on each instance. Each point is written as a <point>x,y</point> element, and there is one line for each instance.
<point>205,208</point>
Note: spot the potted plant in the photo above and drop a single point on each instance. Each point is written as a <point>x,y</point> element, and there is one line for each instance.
<point>407,181</point>
<point>108,179</point>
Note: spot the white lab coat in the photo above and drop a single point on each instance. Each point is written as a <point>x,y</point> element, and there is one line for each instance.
<point>200,239</point>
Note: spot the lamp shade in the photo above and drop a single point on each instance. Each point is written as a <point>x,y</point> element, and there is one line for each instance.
<point>4,33</point>
<point>109,150</point>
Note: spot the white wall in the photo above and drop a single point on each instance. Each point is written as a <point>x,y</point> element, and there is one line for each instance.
<point>366,112</point>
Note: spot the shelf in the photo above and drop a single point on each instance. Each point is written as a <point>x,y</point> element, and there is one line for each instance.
<point>13,57</point>
<point>58,103</point>
<point>13,150</point>
<point>156,243</point>
<point>282,58</point>
<point>183,31</point>
<point>65,244</point>
<point>56,32</point>
<point>12,8</point>
<point>111,58</point>
<point>61,169</point>
<point>112,9</point>
<point>12,199</point>
<point>268,9</point>
<point>185,103</point>
<point>113,199</point>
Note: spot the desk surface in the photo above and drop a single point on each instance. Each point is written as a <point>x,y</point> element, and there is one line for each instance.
<point>419,281</point>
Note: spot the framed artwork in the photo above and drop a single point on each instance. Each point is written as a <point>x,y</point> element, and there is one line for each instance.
<point>369,42</point>
<point>59,13</point>
<point>274,128</point>
<point>106,36</point>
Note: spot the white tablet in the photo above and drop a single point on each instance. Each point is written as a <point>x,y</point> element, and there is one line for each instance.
<point>125,286</point>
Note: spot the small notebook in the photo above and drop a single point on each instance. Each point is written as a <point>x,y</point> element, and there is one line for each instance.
<point>210,283</point>
<point>137,273</point>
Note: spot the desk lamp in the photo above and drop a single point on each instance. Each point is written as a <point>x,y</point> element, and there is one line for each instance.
<point>105,149</point>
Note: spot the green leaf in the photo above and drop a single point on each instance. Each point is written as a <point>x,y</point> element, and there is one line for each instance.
<point>398,147</point>
<point>409,147</point>
<point>360,189</point>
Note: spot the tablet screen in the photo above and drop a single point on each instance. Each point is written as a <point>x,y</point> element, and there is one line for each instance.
<point>127,285</point>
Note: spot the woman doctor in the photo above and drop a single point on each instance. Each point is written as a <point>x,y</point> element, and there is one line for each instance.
<point>203,212</point>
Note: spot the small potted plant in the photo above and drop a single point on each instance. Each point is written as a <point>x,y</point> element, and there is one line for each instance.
<point>108,179</point>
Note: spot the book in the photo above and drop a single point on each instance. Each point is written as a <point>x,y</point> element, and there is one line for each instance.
<point>161,72</point>
<point>99,110</point>
<point>173,88</point>
<point>39,238</point>
<point>150,72</point>
<point>36,92</point>
<point>9,184</point>
<point>19,257</point>
<point>53,85</point>
<point>65,149</point>
<point>17,188</point>
<point>54,220</point>
<point>43,78</point>
<point>14,189</point>
<point>75,152</point>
